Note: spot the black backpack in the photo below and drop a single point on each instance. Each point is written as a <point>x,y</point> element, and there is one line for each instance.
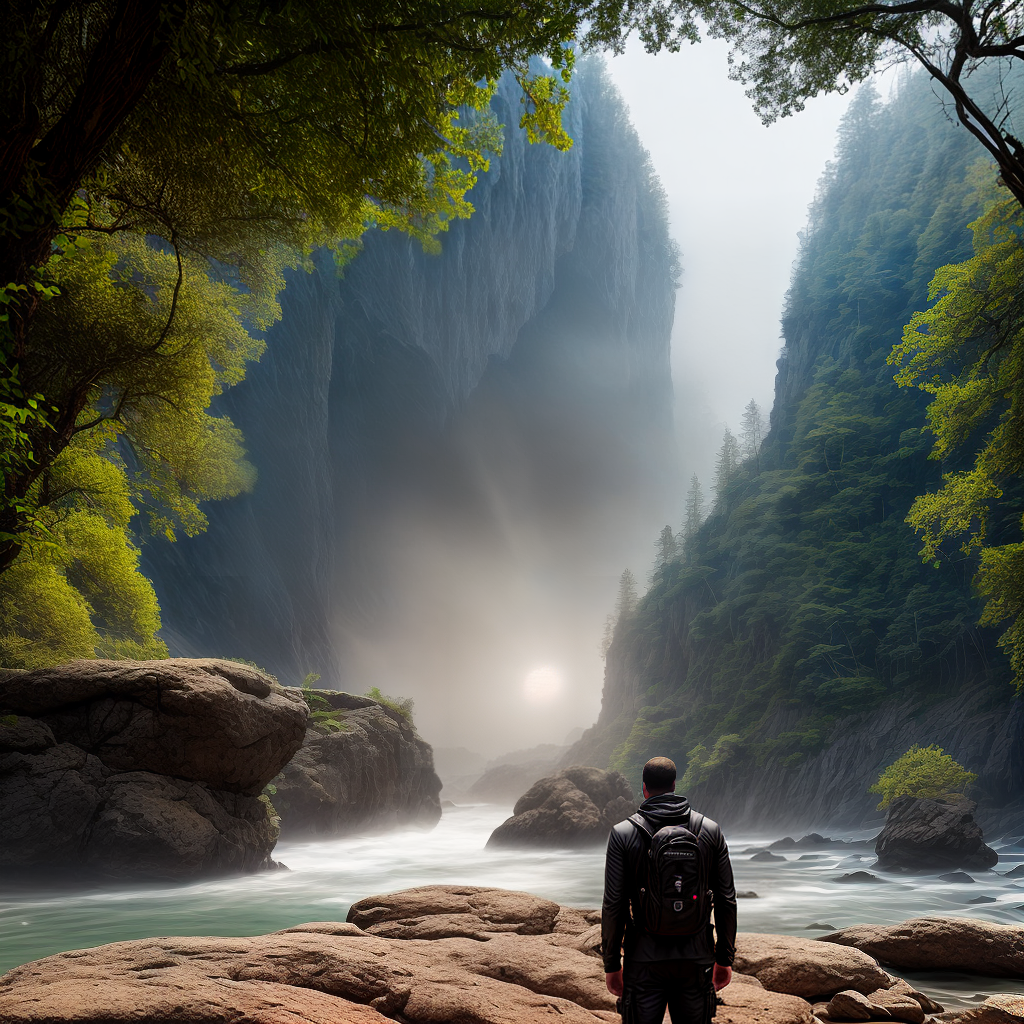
<point>674,896</point>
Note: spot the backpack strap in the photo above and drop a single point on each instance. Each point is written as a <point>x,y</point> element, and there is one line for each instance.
<point>699,822</point>
<point>641,824</point>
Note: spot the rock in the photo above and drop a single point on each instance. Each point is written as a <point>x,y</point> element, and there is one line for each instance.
<point>766,855</point>
<point>925,835</point>
<point>997,1009</point>
<point>22,735</point>
<point>1016,872</point>
<point>315,976</point>
<point>955,876</point>
<point>786,963</point>
<point>983,899</point>
<point>468,909</point>
<point>903,987</point>
<point>882,1004</point>
<point>743,1003</point>
<point>205,735</point>
<point>578,806</point>
<point>811,856</point>
<point>812,839</point>
<point>858,876</point>
<point>217,722</point>
<point>747,894</point>
<point>817,925</point>
<point>940,944</point>
<point>372,772</point>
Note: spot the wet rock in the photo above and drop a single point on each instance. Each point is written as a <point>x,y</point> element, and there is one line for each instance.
<point>578,806</point>
<point>811,856</point>
<point>882,1004</point>
<point>766,855</point>
<point>928,835</point>
<point>141,769</point>
<point>747,894</point>
<point>858,877</point>
<point>366,769</point>
<point>955,876</point>
<point>816,925</point>
<point>786,963</point>
<point>903,987</point>
<point>1017,872</point>
<point>983,899</point>
<point>997,1009</point>
<point>940,944</point>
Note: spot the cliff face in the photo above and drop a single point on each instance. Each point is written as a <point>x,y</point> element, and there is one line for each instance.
<point>364,768</point>
<point>801,645</point>
<point>523,374</point>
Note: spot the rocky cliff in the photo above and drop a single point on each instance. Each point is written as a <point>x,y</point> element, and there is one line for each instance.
<point>419,396</point>
<point>800,645</point>
<point>361,766</point>
<point>148,769</point>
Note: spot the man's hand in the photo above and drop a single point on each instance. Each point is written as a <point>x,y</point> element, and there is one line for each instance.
<point>720,977</point>
<point>614,982</point>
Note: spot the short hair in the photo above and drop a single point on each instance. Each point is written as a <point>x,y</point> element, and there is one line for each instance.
<point>659,774</point>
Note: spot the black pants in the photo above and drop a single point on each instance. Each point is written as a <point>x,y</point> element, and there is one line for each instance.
<point>681,985</point>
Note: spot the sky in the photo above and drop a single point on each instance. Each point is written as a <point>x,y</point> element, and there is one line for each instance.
<point>738,193</point>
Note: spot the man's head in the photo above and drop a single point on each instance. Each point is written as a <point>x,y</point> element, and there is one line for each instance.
<point>659,776</point>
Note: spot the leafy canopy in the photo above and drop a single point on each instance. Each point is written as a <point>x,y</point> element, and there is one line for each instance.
<point>923,772</point>
<point>967,352</point>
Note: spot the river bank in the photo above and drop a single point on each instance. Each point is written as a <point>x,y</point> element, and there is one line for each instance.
<point>326,877</point>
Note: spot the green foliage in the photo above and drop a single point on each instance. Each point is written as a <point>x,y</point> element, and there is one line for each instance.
<point>923,772</point>
<point>787,51</point>
<point>804,600</point>
<point>403,707</point>
<point>702,764</point>
<point>967,352</point>
<point>320,710</point>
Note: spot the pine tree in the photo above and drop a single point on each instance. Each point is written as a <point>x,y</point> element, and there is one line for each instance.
<point>751,435</point>
<point>627,602</point>
<point>725,468</point>
<point>694,514</point>
<point>668,549</point>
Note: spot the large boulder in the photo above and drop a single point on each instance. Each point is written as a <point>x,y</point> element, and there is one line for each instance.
<point>363,767</point>
<point>932,835</point>
<point>575,807</point>
<point>807,968</point>
<point>217,722</point>
<point>940,944</point>
<point>1004,1008</point>
<point>141,769</point>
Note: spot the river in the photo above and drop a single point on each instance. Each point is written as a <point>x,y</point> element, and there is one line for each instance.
<point>798,895</point>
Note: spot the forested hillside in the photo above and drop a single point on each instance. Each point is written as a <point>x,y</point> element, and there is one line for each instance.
<point>801,618</point>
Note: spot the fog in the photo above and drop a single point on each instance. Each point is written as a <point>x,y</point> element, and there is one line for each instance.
<point>499,561</point>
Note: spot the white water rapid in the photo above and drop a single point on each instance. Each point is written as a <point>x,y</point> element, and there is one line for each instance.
<point>797,895</point>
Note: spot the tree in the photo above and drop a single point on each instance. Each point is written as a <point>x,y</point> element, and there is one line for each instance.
<point>967,352</point>
<point>923,772</point>
<point>790,50</point>
<point>667,548</point>
<point>694,514</point>
<point>726,466</point>
<point>751,434</point>
<point>627,601</point>
<point>222,141</point>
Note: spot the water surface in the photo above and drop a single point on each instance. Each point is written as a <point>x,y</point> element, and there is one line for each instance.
<point>326,877</point>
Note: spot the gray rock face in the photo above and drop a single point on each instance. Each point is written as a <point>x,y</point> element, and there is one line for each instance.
<point>141,769</point>
<point>930,835</point>
<point>576,807</point>
<point>372,772</point>
<point>550,307</point>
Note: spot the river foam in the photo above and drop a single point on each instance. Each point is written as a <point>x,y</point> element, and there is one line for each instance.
<point>325,877</point>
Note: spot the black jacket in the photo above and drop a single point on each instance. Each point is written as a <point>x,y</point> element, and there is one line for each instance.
<point>626,847</point>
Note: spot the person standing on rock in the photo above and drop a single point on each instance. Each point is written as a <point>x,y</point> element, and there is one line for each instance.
<point>665,868</point>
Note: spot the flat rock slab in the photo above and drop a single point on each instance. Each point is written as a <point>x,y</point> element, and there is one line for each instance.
<point>940,944</point>
<point>794,965</point>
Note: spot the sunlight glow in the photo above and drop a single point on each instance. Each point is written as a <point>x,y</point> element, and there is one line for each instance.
<point>542,685</point>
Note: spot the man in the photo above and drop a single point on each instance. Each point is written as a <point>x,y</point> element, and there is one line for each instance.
<point>682,972</point>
